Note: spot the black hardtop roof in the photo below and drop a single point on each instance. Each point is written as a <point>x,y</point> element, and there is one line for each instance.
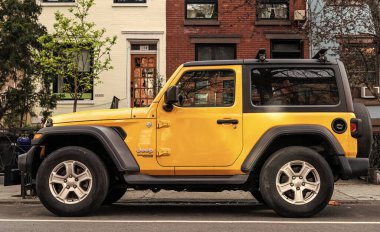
<point>255,61</point>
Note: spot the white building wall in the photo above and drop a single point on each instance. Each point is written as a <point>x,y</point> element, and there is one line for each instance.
<point>129,22</point>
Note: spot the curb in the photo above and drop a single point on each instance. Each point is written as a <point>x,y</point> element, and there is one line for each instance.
<point>20,201</point>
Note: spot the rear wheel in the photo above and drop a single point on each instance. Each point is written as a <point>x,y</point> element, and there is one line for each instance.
<point>296,182</point>
<point>72,181</point>
<point>257,195</point>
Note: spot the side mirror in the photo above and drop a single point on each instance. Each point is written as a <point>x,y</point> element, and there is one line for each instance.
<point>171,97</point>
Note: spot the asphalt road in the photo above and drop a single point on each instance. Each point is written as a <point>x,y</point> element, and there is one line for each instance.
<point>189,217</point>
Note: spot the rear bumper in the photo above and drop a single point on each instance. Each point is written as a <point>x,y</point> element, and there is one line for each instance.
<point>353,167</point>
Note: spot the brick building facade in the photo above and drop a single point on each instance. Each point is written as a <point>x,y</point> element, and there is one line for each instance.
<point>234,29</point>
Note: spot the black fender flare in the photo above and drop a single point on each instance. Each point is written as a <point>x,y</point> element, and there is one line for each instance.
<point>110,139</point>
<point>269,136</point>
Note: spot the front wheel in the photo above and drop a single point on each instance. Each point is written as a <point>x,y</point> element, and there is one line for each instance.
<point>296,182</point>
<point>72,181</point>
<point>113,195</point>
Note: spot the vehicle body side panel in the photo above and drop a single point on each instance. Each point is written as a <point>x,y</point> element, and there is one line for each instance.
<point>195,143</point>
<point>112,142</point>
<point>276,132</point>
<point>141,138</point>
<point>256,125</point>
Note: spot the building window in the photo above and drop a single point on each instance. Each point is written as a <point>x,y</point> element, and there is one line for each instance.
<point>57,1</point>
<point>293,86</point>
<point>144,47</point>
<point>272,9</point>
<point>64,86</point>
<point>358,53</point>
<point>344,2</point>
<point>286,49</point>
<point>211,88</point>
<point>129,1</point>
<point>201,9</point>
<point>215,52</point>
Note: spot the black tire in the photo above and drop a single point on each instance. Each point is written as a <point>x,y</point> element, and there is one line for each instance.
<point>95,196</point>
<point>113,195</point>
<point>257,195</point>
<point>366,140</point>
<point>272,196</point>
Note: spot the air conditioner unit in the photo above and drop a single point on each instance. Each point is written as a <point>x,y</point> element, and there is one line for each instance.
<point>365,93</point>
<point>299,15</point>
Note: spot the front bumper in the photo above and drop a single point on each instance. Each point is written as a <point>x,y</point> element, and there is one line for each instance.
<point>25,161</point>
<point>353,167</point>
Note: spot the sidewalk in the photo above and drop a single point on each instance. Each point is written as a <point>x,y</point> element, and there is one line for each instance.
<point>350,192</point>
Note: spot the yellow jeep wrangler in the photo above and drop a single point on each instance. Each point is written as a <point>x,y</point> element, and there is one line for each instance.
<point>283,130</point>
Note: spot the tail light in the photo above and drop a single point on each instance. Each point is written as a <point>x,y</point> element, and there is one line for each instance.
<point>356,127</point>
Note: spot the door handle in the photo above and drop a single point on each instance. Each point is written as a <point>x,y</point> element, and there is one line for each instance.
<point>228,121</point>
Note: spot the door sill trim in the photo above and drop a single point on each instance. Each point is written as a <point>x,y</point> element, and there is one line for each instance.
<point>141,179</point>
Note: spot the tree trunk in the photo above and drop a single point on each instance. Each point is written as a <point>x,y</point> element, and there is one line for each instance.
<point>75,95</point>
<point>21,119</point>
<point>75,104</point>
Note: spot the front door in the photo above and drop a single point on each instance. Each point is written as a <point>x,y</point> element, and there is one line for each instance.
<point>205,128</point>
<point>143,79</point>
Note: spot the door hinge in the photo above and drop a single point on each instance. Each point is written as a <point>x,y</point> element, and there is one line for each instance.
<point>163,152</point>
<point>163,124</point>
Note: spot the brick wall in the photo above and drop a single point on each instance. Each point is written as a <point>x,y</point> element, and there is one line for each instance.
<point>234,20</point>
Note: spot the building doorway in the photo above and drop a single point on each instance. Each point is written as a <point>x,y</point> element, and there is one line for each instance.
<point>143,79</point>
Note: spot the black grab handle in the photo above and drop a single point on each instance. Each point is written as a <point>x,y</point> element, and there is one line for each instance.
<point>227,121</point>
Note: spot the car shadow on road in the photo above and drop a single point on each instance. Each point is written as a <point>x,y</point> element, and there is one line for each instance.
<point>198,211</point>
<point>185,210</point>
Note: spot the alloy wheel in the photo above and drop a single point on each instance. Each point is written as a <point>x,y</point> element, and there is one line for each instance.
<point>298,182</point>
<point>70,182</point>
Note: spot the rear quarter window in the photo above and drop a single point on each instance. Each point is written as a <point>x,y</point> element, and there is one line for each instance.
<point>293,87</point>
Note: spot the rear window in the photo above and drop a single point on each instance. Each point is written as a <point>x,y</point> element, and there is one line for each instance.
<point>293,86</point>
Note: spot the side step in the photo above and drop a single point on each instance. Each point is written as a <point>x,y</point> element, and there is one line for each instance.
<point>141,179</point>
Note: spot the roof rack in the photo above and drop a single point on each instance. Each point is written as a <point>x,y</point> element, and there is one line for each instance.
<point>261,55</point>
<point>321,55</point>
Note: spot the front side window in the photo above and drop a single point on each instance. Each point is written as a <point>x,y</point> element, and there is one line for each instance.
<point>293,86</point>
<point>272,9</point>
<point>201,9</point>
<point>211,88</point>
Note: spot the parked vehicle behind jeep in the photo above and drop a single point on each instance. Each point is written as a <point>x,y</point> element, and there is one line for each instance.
<point>283,130</point>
